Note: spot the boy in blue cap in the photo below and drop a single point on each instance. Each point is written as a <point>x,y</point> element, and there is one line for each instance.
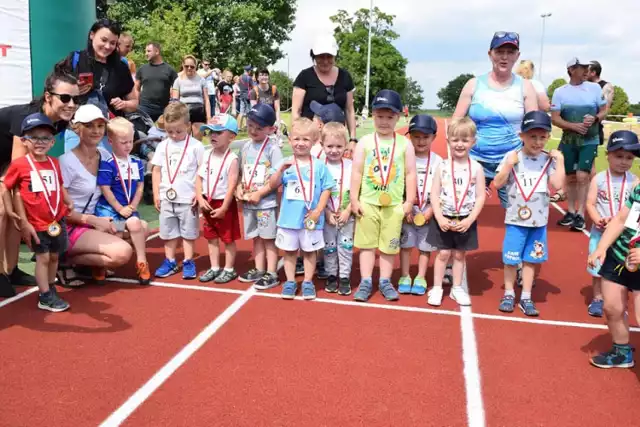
<point>526,174</point>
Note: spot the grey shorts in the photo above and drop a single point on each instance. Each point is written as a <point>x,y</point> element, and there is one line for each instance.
<point>413,236</point>
<point>260,223</point>
<point>178,220</point>
<point>245,105</point>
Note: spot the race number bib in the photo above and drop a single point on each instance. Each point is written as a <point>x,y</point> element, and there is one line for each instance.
<point>422,176</point>
<point>258,176</point>
<point>633,219</point>
<point>47,176</point>
<point>135,173</point>
<point>294,191</point>
<point>528,181</point>
<point>174,160</point>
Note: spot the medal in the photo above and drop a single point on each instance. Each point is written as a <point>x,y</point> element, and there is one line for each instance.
<point>310,224</point>
<point>247,186</point>
<point>453,221</point>
<point>631,267</point>
<point>384,198</point>
<point>171,193</point>
<point>339,206</point>
<point>127,193</point>
<point>611,194</point>
<point>54,229</point>
<point>458,206</point>
<point>208,174</point>
<point>524,213</point>
<point>419,219</point>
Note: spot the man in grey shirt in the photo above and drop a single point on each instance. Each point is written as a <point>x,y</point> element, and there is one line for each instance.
<point>154,81</point>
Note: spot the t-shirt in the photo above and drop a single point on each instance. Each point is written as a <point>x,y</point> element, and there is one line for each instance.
<point>315,90</point>
<point>318,152</point>
<point>535,212</point>
<point>447,199</point>
<point>210,170</point>
<point>264,96</point>
<point>226,95</point>
<point>156,81</point>
<point>32,190</point>
<point>183,172</point>
<point>425,179</point>
<point>190,89</point>
<point>128,173</point>
<point>244,85</point>
<point>574,102</point>
<point>341,174</point>
<point>80,183</point>
<point>271,155</point>
<point>620,247</point>
<point>293,208</point>
<point>604,204</point>
<point>393,167</point>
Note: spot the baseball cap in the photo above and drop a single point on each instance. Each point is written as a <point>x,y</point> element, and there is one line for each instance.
<point>624,140</point>
<point>500,38</point>
<point>423,123</point>
<point>263,114</point>
<point>221,122</point>
<point>325,44</point>
<point>36,120</point>
<point>387,98</point>
<point>576,62</point>
<point>536,120</point>
<point>88,113</point>
<point>328,113</point>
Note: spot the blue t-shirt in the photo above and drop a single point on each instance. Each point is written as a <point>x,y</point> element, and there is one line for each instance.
<point>108,175</point>
<point>293,208</point>
<point>574,102</point>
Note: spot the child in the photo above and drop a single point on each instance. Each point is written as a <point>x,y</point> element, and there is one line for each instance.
<point>324,114</point>
<point>457,197</point>
<point>384,164</point>
<point>339,226</point>
<point>215,187</point>
<point>176,164</point>
<point>619,255</point>
<point>526,174</point>
<point>46,203</point>
<point>307,189</point>
<point>607,193</point>
<point>257,159</point>
<point>422,131</point>
<point>121,180</point>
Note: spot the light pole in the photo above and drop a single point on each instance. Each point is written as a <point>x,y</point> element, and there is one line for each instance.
<point>368,78</point>
<point>544,17</point>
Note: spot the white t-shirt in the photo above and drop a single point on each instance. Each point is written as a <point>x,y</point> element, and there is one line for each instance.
<point>185,177</point>
<point>81,184</point>
<point>210,169</point>
<point>318,152</point>
<point>447,199</point>
<point>425,179</point>
<point>620,195</point>
<point>337,171</point>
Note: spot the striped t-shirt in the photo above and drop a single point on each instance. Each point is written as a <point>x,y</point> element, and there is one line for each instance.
<point>620,247</point>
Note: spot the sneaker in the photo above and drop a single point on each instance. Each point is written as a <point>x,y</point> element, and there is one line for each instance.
<point>189,269</point>
<point>251,276</point>
<point>345,286</point>
<point>210,274</point>
<point>308,291</point>
<point>620,356</point>
<point>434,296</point>
<point>50,301</point>
<point>299,266</point>
<point>99,275</point>
<point>143,273</point>
<point>332,285</point>
<point>448,276</point>
<point>507,304</point>
<point>321,273</point>
<point>519,278</point>
<point>20,278</point>
<point>364,291</point>
<point>289,290</point>
<point>566,220</point>
<point>578,223</point>
<point>267,281</point>
<point>404,285</point>
<point>226,276</point>
<point>167,268</point>
<point>595,308</point>
<point>388,291</point>
<point>6,290</point>
<point>528,308</point>
<point>419,286</point>
<point>460,295</point>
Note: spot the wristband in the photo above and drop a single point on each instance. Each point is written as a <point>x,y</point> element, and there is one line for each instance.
<point>353,140</point>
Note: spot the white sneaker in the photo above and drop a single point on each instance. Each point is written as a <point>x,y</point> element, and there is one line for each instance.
<point>435,296</point>
<point>459,295</point>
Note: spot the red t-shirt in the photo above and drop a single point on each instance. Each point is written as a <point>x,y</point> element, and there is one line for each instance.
<point>19,175</point>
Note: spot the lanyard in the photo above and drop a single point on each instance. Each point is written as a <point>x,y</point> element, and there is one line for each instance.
<point>215,185</point>
<point>301,181</point>
<point>127,192</point>
<point>610,193</point>
<point>533,190</point>
<point>255,164</point>
<point>422,195</point>
<point>184,151</point>
<point>336,209</point>
<point>385,179</point>
<point>455,195</point>
<point>56,187</point>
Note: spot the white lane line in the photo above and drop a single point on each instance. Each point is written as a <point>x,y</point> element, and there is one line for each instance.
<point>18,296</point>
<point>140,396</point>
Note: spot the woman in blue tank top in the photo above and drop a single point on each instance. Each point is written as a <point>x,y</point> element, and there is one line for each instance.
<point>496,102</point>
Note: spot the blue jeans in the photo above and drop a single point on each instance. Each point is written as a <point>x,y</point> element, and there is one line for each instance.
<point>489,175</point>
<point>153,111</point>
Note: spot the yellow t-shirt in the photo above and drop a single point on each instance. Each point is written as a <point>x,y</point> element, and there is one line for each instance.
<point>372,180</point>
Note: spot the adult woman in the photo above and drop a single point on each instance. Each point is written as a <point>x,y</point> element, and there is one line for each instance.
<point>326,84</point>
<point>525,70</point>
<point>191,89</point>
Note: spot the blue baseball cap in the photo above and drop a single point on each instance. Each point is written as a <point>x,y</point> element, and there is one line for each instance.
<point>501,38</point>
<point>624,140</point>
<point>36,120</point>
<point>263,114</point>
<point>423,123</point>
<point>536,120</point>
<point>328,113</point>
<point>387,98</point>
<point>220,123</point>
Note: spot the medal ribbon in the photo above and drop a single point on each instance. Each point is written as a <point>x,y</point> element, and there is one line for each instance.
<point>166,155</point>
<point>301,181</point>
<point>255,164</point>
<point>127,193</point>
<point>533,190</point>
<point>455,194</point>
<point>385,180</point>
<point>54,211</point>
<point>215,185</point>
<point>337,209</point>
<point>610,193</point>
<point>422,195</point>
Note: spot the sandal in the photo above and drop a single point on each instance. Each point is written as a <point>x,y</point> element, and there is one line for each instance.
<point>68,278</point>
<point>560,196</point>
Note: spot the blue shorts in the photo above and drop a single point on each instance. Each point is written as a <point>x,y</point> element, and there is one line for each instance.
<point>596,235</point>
<point>108,211</point>
<point>524,244</point>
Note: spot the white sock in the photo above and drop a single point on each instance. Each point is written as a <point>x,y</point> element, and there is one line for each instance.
<point>230,270</point>
<point>510,293</point>
<point>215,268</point>
<point>525,295</point>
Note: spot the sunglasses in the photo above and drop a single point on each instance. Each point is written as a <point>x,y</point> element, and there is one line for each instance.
<point>506,34</point>
<point>41,139</point>
<point>189,67</point>
<point>330,94</point>
<point>65,98</point>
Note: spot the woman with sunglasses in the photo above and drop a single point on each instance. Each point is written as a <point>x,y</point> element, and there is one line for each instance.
<point>58,103</point>
<point>191,89</point>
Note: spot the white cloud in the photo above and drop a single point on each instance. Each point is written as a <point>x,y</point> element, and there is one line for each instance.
<point>443,39</point>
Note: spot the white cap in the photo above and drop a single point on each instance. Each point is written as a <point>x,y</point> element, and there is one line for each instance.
<point>326,45</point>
<point>575,61</point>
<point>88,113</point>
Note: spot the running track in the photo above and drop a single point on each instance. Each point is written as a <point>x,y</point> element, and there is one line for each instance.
<point>180,353</point>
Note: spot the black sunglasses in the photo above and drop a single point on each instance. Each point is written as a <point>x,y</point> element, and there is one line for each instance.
<point>65,98</point>
<point>189,67</point>
<point>330,94</point>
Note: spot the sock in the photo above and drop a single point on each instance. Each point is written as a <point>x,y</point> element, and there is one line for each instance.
<point>216,268</point>
<point>623,348</point>
<point>366,279</point>
<point>525,295</point>
<point>230,269</point>
<point>510,293</point>
<point>272,273</point>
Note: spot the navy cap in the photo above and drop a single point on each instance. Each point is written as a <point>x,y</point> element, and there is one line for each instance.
<point>36,120</point>
<point>423,123</point>
<point>387,98</point>
<point>624,140</point>
<point>328,113</point>
<point>263,114</point>
<point>500,38</point>
<point>536,120</point>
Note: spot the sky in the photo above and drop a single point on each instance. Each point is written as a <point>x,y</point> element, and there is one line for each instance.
<point>443,39</point>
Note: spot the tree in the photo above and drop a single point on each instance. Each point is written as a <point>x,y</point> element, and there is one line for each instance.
<point>634,109</point>
<point>450,94</point>
<point>555,85</point>
<point>285,88</point>
<point>412,95</point>
<point>388,66</point>
<point>620,105</point>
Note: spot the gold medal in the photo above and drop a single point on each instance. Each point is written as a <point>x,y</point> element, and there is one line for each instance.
<point>524,213</point>
<point>54,229</point>
<point>384,199</point>
<point>419,219</point>
<point>453,222</point>
<point>171,194</point>
<point>310,224</point>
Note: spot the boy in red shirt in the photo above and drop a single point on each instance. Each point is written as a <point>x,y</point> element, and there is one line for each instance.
<point>46,203</point>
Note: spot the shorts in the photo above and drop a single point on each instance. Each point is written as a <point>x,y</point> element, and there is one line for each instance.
<point>291,240</point>
<point>524,244</point>
<point>594,240</point>
<point>613,271</point>
<point>52,245</point>
<point>107,211</point>
<point>578,157</point>
<point>489,174</point>
<point>451,240</point>
<point>153,111</point>
<point>74,232</point>
<point>226,229</point>
<point>259,223</point>
<point>413,236</point>
<point>243,105</point>
<point>380,228</point>
<point>197,113</point>
<point>178,220</point>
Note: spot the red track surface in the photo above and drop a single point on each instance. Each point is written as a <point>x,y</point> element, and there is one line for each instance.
<point>318,363</point>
